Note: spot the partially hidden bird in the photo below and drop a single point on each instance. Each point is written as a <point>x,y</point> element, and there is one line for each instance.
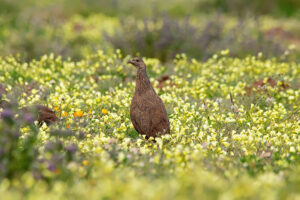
<point>40,113</point>
<point>148,113</point>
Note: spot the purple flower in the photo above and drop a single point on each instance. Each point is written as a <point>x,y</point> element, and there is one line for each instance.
<point>49,146</point>
<point>7,114</point>
<point>29,118</point>
<point>72,148</point>
<point>51,167</point>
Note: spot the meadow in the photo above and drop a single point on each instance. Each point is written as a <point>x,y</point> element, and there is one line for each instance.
<point>230,84</point>
<point>234,123</point>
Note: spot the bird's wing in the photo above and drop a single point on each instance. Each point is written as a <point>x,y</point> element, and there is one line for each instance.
<point>159,119</point>
<point>149,116</point>
<point>141,114</point>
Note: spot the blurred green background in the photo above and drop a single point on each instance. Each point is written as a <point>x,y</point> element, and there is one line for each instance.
<point>151,28</point>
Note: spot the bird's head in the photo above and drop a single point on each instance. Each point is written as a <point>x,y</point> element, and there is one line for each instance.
<point>137,62</point>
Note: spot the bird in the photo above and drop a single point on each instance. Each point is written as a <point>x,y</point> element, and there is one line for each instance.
<point>40,113</point>
<point>46,115</point>
<point>148,113</point>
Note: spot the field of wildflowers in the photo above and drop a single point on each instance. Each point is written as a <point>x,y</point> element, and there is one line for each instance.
<point>235,127</point>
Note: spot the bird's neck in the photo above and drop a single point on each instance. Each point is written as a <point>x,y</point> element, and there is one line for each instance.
<point>142,81</point>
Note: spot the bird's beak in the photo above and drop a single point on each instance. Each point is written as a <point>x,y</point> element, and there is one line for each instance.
<point>129,62</point>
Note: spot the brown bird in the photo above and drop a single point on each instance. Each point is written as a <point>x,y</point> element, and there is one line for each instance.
<point>40,113</point>
<point>147,111</point>
<point>46,115</point>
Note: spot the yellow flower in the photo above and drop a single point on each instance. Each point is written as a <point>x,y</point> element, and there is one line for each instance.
<point>104,111</point>
<point>78,113</point>
<point>64,114</point>
<point>85,162</point>
<point>56,108</point>
<point>90,112</point>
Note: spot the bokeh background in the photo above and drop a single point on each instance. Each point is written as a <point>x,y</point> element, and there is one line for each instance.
<point>151,28</point>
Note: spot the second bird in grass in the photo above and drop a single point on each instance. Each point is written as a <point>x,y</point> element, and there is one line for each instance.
<point>147,111</point>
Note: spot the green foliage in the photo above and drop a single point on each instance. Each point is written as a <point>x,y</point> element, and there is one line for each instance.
<point>76,28</point>
<point>161,38</point>
<point>166,37</point>
<point>286,8</point>
<point>144,8</point>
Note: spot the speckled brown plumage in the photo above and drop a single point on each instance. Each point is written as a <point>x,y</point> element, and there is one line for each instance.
<point>147,111</point>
